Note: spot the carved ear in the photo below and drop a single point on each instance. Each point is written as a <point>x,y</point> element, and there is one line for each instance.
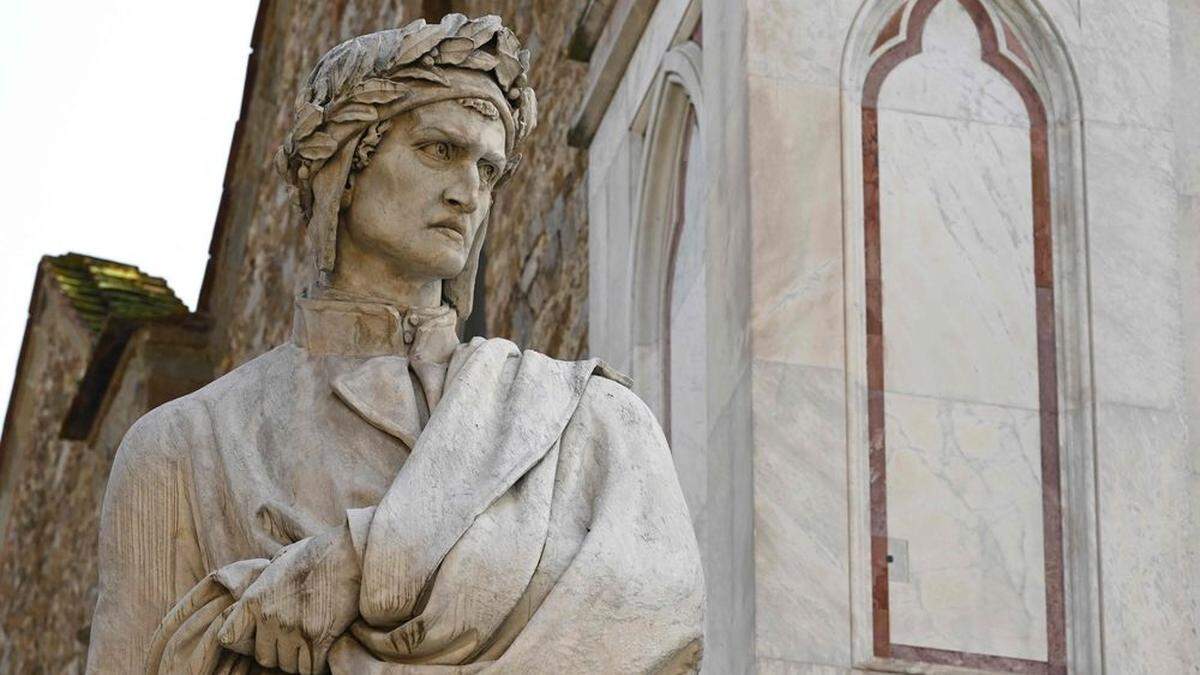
<point>328,187</point>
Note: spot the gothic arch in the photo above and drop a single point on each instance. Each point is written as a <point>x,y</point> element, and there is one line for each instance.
<point>675,102</point>
<point>671,128</point>
<point>1017,41</point>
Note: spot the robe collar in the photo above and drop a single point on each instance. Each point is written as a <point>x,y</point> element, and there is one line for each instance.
<point>395,342</point>
<point>335,323</point>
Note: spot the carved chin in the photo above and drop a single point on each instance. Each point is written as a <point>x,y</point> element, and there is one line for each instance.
<point>449,262</point>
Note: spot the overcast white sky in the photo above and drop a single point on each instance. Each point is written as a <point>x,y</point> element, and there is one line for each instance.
<point>115,123</point>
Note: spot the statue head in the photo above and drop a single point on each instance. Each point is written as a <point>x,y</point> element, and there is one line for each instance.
<point>399,139</point>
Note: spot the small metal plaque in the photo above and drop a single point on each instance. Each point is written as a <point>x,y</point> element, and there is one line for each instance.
<point>897,561</point>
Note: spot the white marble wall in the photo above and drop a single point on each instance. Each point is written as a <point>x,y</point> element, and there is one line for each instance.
<point>784,389</point>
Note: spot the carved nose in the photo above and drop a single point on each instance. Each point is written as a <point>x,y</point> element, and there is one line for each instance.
<point>460,198</point>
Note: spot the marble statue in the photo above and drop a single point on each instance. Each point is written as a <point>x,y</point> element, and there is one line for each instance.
<point>374,496</point>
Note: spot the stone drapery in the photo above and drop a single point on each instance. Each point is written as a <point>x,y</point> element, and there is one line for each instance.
<point>528,521</point>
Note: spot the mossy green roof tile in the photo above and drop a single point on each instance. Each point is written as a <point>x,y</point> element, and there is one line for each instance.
<point>99,289</point>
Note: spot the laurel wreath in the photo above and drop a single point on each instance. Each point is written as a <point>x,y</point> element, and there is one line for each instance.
<point>357,76</point>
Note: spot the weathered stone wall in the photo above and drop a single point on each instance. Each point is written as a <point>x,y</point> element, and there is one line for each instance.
<point>536,269</point>
<point>51,488</point>
<point>47,499</point>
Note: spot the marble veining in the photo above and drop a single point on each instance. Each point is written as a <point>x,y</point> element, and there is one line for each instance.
<point>964,490</point>
<point>957,257</point>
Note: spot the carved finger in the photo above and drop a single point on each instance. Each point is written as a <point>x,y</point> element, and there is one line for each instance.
<point>287,647</point>
<point>237,630</point>
<point>320,652</point>
<point>265,637</point>
<point>304,659</point>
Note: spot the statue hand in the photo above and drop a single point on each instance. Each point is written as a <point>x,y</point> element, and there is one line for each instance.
<point>303,601</point>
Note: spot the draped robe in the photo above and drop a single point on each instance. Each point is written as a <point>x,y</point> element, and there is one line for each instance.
<point>511,512</point>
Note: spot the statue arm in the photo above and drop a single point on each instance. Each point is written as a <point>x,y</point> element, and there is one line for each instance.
<point>632,598</point>
<point>149,555</point>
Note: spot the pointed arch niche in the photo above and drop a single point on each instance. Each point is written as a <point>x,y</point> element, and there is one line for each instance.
<point>970,428</point>
<point>669,267</point>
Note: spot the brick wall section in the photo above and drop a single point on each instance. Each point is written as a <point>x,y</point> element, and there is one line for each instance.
<point>536,271</point>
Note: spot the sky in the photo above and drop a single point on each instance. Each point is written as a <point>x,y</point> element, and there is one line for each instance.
<point>115,123</point>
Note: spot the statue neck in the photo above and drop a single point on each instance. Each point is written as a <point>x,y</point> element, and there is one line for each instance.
<point>382,285</point>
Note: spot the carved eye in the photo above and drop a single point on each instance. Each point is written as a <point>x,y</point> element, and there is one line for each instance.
<point>488,172</point>
<point>438,150</point>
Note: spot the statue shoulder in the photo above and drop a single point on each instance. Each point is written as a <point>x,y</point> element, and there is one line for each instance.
<point>609,407</point>
<point>173,428</point>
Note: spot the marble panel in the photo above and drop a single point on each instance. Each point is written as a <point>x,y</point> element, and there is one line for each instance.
<point>728,283</point>
<point>597,260</point>
<point>957,260</point>
<point>1124,62</point>
<point>797,40</point>
<point>618,271</point>
<point>1135,244</point>
<point>964,492</point>
<point>800,503</point>
<point>1185,107</point>
<point>1149,534</point>
<point>728,557</point>
<point>688,398</point>
<point>728,232</point>
<point>948,78</point>
<point>798,305</point>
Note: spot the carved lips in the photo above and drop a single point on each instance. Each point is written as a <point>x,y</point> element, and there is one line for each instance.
<point>454,228</point>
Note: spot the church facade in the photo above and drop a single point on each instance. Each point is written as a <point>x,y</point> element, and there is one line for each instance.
<point>909,285</point>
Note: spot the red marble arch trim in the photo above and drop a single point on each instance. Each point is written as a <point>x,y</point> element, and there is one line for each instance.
<point>890,30</point>
<point>1046,346</point>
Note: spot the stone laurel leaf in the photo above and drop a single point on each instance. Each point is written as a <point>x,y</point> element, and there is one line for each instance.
<point>507,69</point>
<point>421,42</point>
<point>528,116</point>
<point>281,162</point>
<point>507,43</point>
<point>455,50</point>
<point>376,91</point>
<point>453,22</point>
<point>319,146</point>
<point>355,112</point>
<point>432,74</point>
<point>480,30</point>
<point>308,118</point>
<point>479,61</point>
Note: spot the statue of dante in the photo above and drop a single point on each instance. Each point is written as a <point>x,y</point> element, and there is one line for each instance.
<point>374,496</point>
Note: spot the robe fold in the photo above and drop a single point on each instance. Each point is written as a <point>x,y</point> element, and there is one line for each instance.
<point>512,512</point>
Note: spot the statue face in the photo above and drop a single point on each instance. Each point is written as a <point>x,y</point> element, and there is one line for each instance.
<point>427,189</point>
